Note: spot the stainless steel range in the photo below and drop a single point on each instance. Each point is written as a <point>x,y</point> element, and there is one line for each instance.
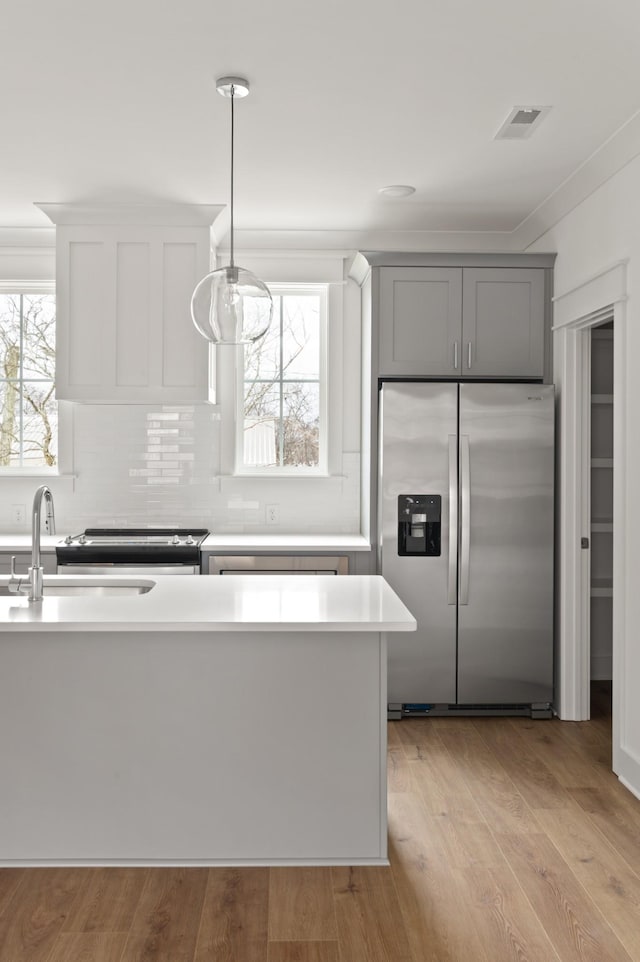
<point>174,551</point>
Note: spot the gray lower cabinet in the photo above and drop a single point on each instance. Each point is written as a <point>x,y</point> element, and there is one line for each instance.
<point>462,322</point>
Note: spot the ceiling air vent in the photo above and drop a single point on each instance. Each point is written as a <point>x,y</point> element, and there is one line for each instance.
<point>521,123</point>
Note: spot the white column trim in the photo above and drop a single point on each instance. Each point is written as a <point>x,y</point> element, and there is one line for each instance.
<point>575,312</point>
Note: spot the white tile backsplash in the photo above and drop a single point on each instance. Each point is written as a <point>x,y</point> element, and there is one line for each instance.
<point>143,464</point>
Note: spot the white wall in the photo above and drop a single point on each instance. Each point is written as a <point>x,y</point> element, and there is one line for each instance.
<point>599,232</point>
<point>162,464</point>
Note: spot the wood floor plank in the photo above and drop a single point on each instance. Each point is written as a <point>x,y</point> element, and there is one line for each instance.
<point>303,952</point>
<point>465,843</point>
<point>529,774</point>
<point>572,920</point>
<point>88,947</point>
<point>430,891</point>
<point>10,878</point>
<point>617,817</point>
<point>368,914</point>
<point>508,928</point>
<point>544,741</point>
<point>165,925</point>
<point>393,735</point>
<point>498,799</point>
<point>109,900</point>
<point>398,771</point>
<point>611,884</point>
<point>233,926</point>
<point>440,780</point>
<point>416,735</point>
<point>301,907</point>
<point>33,917</point>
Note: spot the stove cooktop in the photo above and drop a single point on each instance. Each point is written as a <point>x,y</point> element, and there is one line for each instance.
<point>133,546</point>
<point>139,536</point>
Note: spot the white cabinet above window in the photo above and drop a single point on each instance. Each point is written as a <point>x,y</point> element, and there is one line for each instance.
<point>124,279</point>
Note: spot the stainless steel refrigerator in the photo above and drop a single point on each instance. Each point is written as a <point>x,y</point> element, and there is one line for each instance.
<point>466,540</point>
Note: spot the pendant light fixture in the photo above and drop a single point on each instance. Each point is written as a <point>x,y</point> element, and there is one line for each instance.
<point>231,305</point>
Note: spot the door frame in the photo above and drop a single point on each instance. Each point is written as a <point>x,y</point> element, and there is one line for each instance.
<point>600,298</point>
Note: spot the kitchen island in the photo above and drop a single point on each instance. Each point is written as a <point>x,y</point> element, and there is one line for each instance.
<point>231,721</point>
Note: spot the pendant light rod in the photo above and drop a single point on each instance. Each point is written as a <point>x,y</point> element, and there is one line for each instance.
<point>230,305</point>
<point>231,263</point>
<point>232,87</point>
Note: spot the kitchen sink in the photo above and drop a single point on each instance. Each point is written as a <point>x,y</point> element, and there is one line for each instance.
<point>67,588</point>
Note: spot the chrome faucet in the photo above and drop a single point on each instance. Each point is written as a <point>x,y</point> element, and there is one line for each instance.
<point>35,572</point>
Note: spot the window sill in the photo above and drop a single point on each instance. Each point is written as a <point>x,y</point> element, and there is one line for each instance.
<point>226,479</point>
<point>34,474</point>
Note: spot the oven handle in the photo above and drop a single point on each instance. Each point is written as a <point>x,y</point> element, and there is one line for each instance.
<point>125,569</point>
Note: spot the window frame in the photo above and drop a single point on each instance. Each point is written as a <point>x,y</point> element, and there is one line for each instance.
<point>31,288</point>
<point>240,469</point>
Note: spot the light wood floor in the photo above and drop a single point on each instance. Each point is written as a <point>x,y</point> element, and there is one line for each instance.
<point>510,841</point>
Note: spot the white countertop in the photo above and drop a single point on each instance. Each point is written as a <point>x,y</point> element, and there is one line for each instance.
<point>253,543</point>
<point>257,543</point>
<point>200,603</point>
<point>22,542</point>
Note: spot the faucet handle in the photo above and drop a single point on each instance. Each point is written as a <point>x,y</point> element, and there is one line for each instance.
<point>15,581</point>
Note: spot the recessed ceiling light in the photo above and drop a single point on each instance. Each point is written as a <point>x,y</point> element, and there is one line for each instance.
<point>397,190</point>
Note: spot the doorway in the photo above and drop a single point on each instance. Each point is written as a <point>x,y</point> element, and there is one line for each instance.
<point>600,626</point>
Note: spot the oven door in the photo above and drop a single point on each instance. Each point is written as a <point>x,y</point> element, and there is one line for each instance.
<point>125,569</point>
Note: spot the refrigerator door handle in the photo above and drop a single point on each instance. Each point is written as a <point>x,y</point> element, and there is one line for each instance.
<point>465,518</point>
<point>452,586</point>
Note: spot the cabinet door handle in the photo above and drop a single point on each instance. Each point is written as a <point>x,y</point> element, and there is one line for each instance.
<point>469,355</point>
<point>455,355</point>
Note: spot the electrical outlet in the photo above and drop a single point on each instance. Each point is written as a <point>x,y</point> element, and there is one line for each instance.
<point>18,513</point>
<point>273,514</point>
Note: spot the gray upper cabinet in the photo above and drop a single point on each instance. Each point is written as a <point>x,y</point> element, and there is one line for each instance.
<point>462,322</point>
<point>420,320</point>
<point>503,322</point>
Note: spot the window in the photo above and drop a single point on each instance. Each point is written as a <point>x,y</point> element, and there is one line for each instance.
<point>28,409</point>
<point>282,396</point>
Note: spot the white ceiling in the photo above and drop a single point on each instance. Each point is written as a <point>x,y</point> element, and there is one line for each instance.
<point>115,101</point>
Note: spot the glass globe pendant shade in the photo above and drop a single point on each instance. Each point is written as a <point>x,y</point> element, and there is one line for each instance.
<point>232,306</point>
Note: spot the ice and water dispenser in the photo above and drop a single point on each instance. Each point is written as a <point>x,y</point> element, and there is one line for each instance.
<point>419,524</point>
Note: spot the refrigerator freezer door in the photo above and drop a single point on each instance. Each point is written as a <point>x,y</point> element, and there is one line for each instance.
<point>505,616</point>
<point>419,456</point>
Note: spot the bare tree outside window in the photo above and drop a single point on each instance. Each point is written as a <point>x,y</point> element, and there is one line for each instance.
<point>28,409</point>
<point>282,387</point>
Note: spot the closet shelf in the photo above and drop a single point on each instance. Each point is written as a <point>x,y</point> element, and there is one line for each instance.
<point>601,462</point>
<point>602,398</point>
<point>601,526</point>
<point>602,588</point>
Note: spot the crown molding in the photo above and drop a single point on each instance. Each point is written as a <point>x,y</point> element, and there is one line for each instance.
<point>615,153</point>
<point>164,215</point>
<point>350,240</point>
